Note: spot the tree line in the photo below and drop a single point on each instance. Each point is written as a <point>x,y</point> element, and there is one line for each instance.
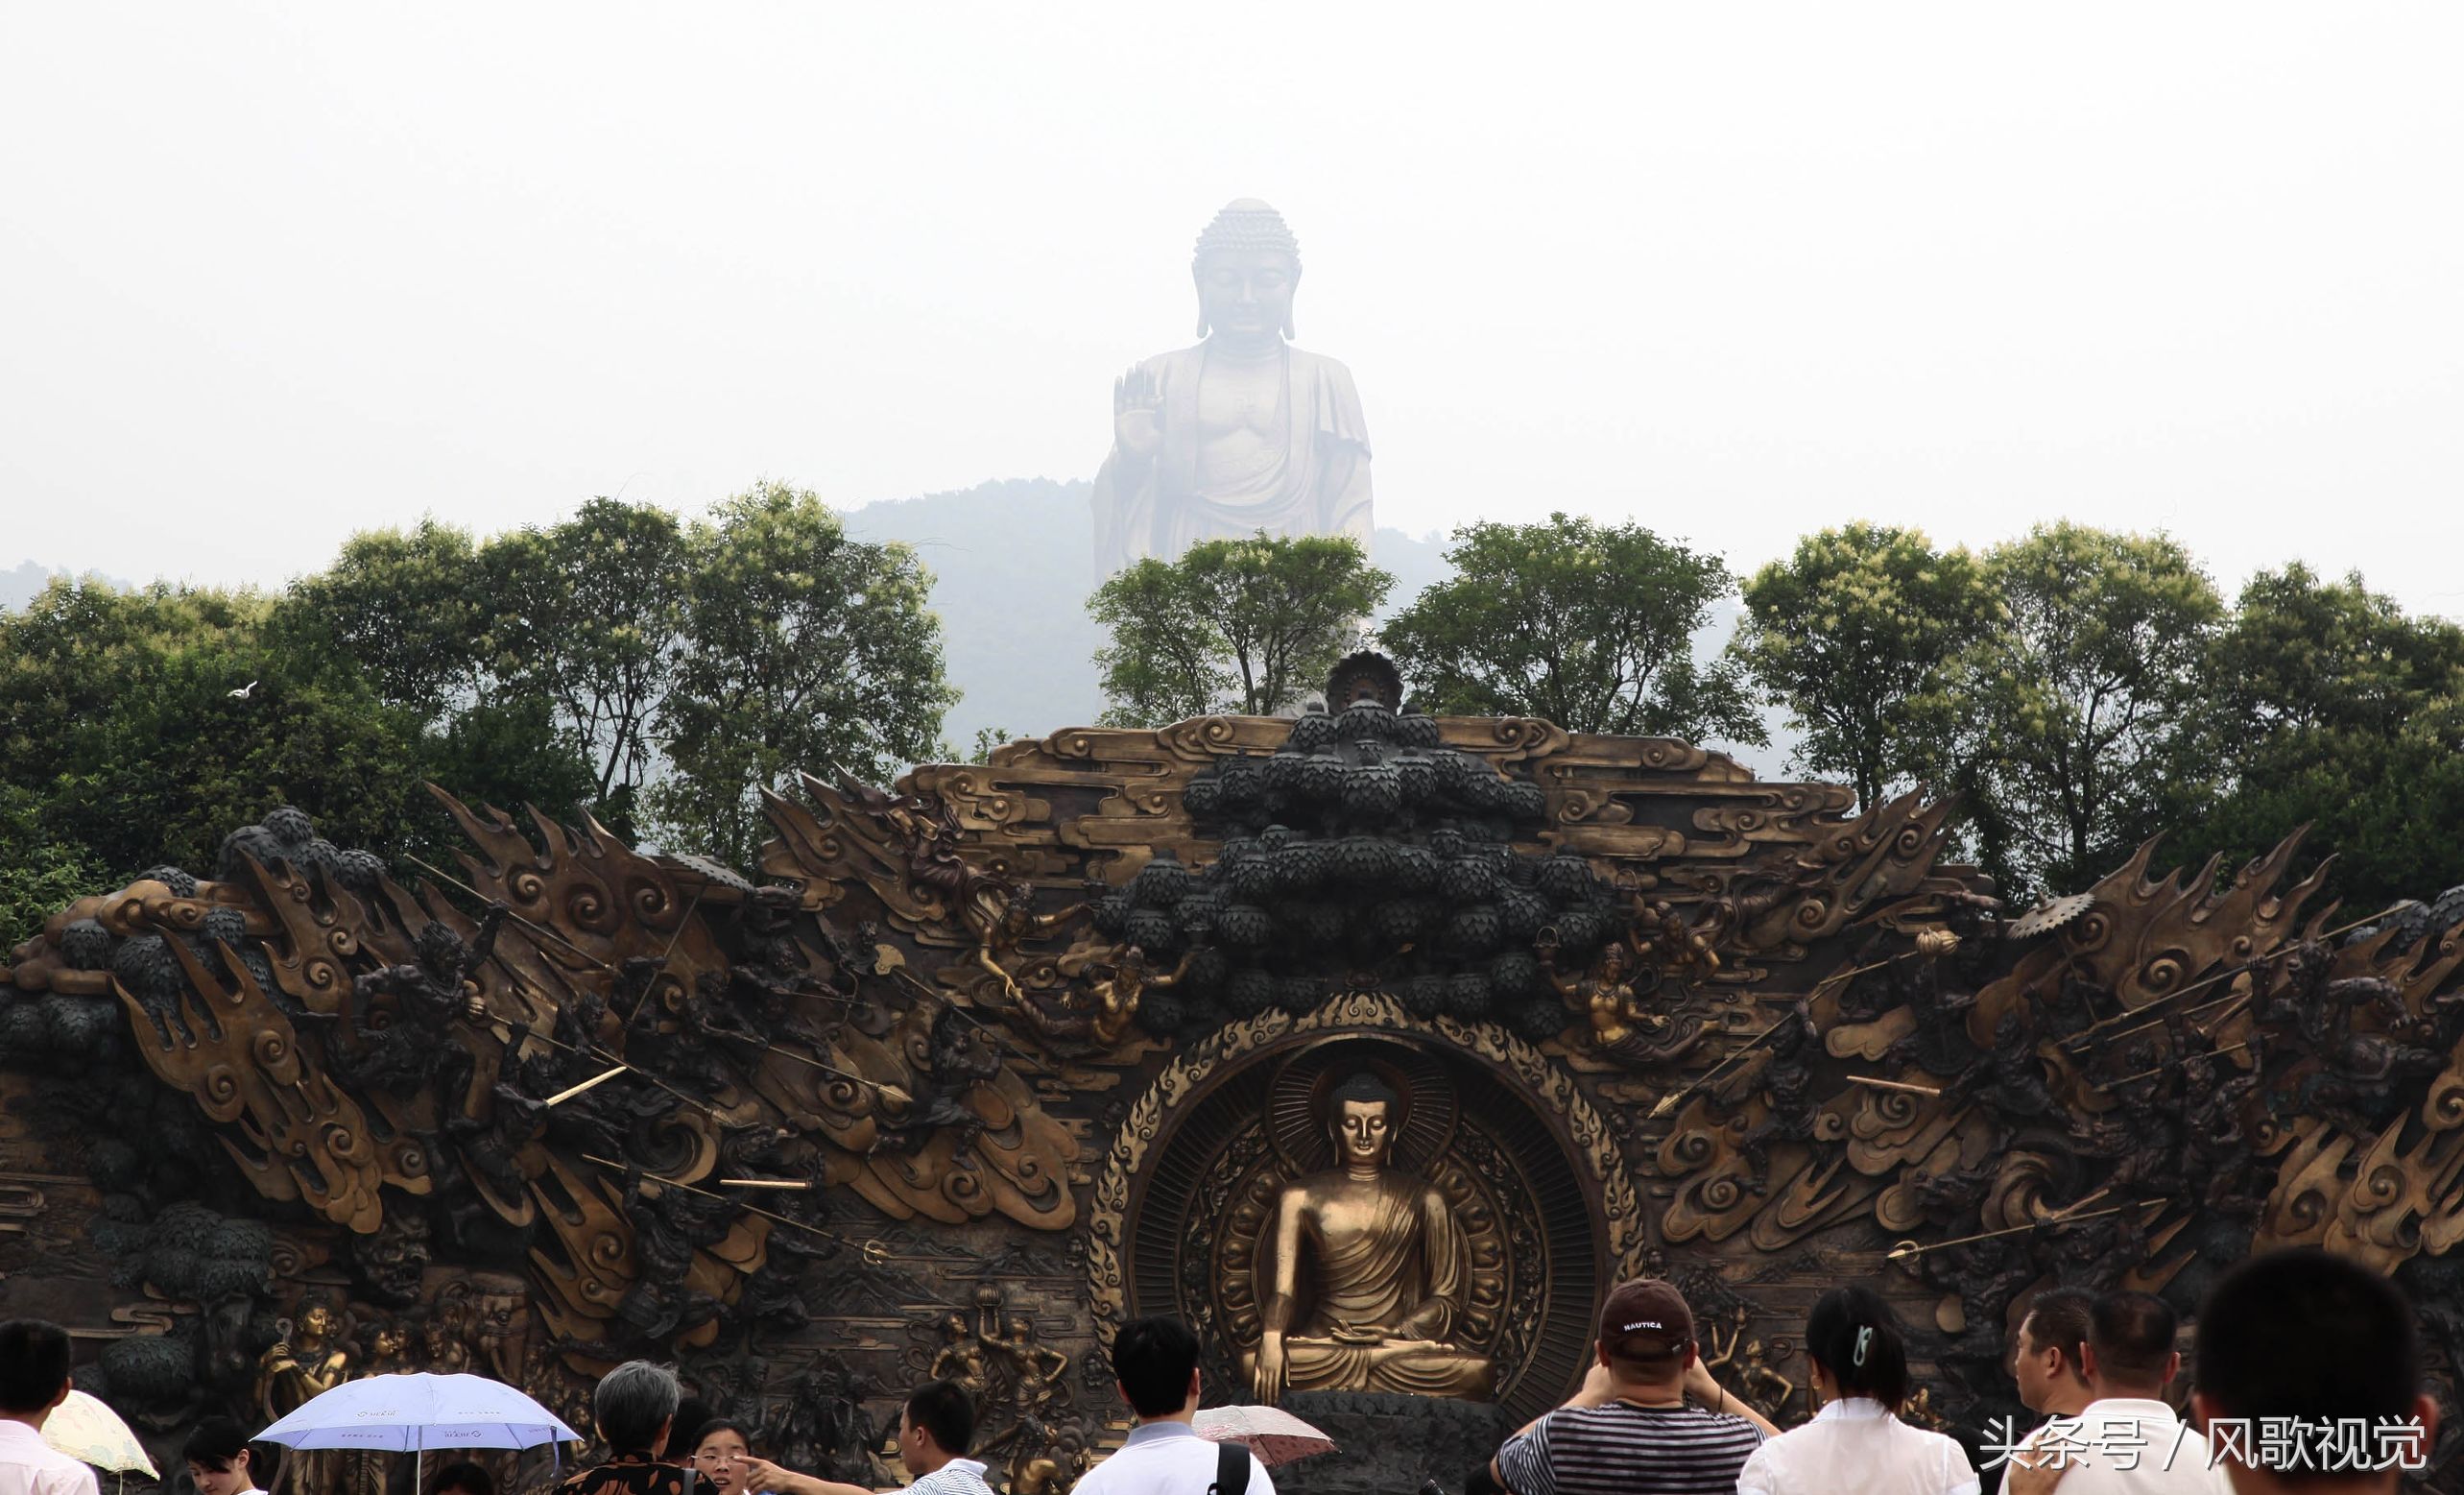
<point>2081,690</point>
<point>625,663</point>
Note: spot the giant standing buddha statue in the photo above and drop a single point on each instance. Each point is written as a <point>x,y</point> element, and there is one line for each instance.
<point>1242,432</point>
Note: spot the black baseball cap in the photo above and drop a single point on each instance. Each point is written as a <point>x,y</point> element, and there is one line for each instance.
<point>1645,1319</point>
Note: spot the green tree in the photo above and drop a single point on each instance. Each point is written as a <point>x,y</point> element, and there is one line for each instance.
<point>181,762</point>
<point>986,738</point>
<point>1242,626</point>
<point>582,614</point>
<point>1168,661</point>
<point>69,657</point>
<point>147,724</point>
<point>2075,708</point>
<point>1586,625</point>
<point>2329,706</point>
<point>1857,633</point>
<point>411,608</point>
<point>509,752</point>
<point>563,666</point>
<point>2386,804</point>
<point>801,649</point>
<point>41,873</point>
<point>2301,653</point>
<point>587,615</point>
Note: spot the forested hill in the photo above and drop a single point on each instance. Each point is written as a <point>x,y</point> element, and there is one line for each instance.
<point>1013,562</point>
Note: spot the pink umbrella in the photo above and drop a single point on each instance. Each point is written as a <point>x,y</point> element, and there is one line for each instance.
<point>1275,1436</point>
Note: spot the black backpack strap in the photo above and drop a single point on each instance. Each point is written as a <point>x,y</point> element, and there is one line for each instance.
<point>1231,1469</point>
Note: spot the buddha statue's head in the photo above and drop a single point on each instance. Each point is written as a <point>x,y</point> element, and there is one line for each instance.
<point>1247,266</point>
<point>1360,1114</point>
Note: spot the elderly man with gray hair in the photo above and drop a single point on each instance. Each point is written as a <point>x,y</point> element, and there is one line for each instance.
<point>634,1408</point>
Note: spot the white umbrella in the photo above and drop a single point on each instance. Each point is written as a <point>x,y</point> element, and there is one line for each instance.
<point>1275,1436</point>
<point>415,1412</point>
<point>412,1412</point>
<point>86,1428</point>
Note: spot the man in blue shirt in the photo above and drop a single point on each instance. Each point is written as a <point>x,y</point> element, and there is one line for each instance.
<point>1155,1362</point>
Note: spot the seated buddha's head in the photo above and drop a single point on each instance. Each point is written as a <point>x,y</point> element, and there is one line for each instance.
<point>1360,1114</point>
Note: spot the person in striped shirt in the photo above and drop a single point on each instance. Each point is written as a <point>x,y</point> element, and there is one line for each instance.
<point>1630,1431</point>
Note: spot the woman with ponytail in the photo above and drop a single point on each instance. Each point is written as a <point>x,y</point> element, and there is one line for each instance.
<point>1857,1444</point>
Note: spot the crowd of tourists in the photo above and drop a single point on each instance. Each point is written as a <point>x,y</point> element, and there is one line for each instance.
<point>2309,1378</point>
<point>1154,1362</point>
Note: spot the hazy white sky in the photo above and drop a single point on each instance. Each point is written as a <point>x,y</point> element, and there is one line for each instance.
<point>269,274</point>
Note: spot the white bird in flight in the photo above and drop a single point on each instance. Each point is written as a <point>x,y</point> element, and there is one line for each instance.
<point>242,694</point>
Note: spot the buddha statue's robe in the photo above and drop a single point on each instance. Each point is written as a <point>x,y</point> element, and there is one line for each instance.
<point>1383,1276</point>
<point>1308,476</point>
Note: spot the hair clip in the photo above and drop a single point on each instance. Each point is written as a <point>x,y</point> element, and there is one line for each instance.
<point>1864,1337</point>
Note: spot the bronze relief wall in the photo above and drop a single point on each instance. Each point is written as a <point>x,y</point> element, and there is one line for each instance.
<point>1030,1047</point>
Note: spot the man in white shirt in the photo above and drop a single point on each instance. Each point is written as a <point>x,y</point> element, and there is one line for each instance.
<point>2049,1359</point>
<point>1155,1362</point>
<point>2127,1440</point>
<point>34,1380</point>
<point>936,1427</point>
<point>2049,1353</point>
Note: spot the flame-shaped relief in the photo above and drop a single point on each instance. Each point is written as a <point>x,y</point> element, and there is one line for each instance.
<point>233,1049</point>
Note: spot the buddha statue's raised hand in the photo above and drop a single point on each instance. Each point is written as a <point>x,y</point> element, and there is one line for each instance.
<point>1137,413</point>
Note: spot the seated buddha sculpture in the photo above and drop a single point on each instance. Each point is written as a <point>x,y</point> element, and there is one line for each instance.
<point>1363,1272</point>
